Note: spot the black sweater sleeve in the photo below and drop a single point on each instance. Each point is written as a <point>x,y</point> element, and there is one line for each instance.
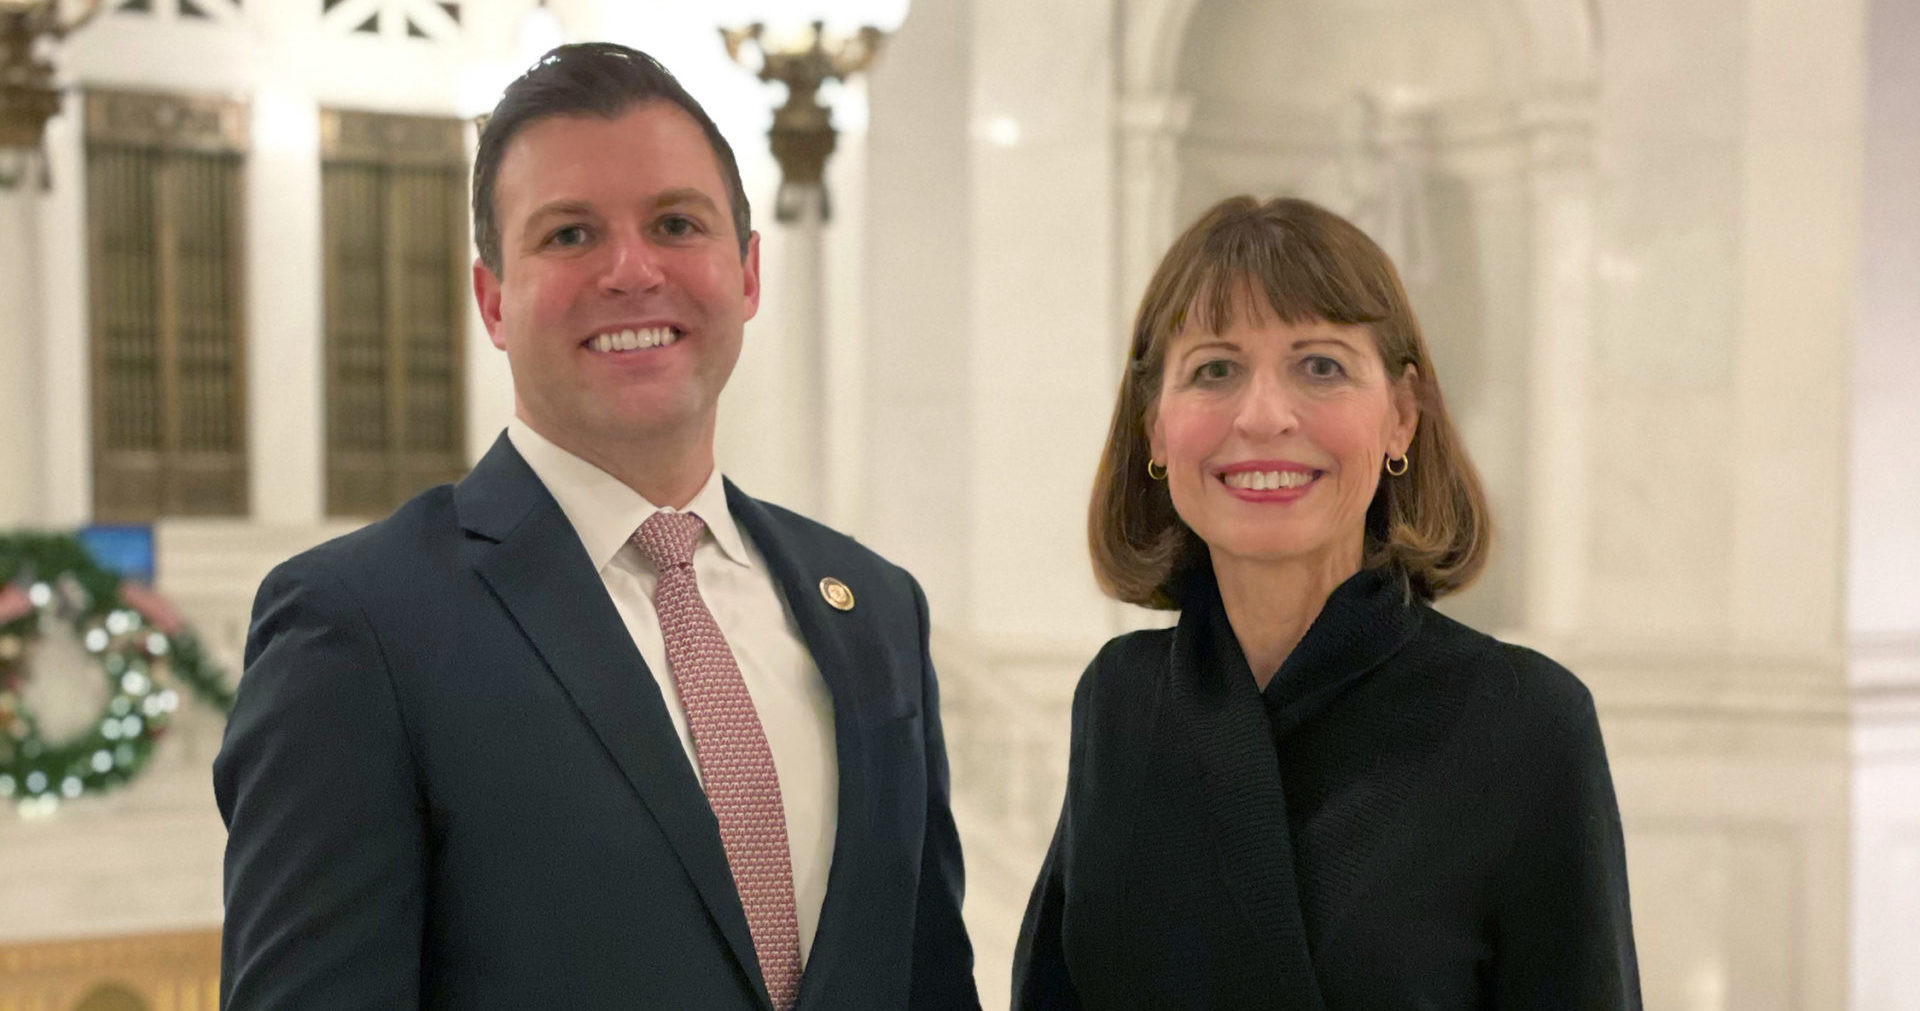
<point>1563,935</point>
<point>1040,979</point>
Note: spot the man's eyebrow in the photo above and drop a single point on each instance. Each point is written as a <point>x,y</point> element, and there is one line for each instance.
<point>685,195</point>
<point>561,208</point>
<point>678,196</point>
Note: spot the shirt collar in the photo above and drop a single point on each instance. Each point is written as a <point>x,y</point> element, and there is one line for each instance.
<point>604,511</point>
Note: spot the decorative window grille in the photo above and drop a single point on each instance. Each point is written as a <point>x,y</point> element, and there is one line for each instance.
<point>394,192</point>
<point>425,20</point>
<point>164,199</point>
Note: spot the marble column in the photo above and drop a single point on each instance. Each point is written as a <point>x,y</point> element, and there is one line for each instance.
<point>917,267</point>
<point>65,430</point>
<point>286,337</point>
<point>1560,178</point>
<point>1150,130</point>
<point>805,318</point>
<point>1042,203</point>
<point>1883,564</point>
<point>22,336</point>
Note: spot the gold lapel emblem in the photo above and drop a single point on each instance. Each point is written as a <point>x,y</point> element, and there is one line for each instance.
<point>838,596</point>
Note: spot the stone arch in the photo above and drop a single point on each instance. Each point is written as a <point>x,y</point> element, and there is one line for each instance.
<point>1554,44</point>
<point>1560,37</point>
<point>1541,99</point>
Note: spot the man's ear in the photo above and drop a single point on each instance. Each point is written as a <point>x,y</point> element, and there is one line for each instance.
<point>750,273</point>
<point>486,292</point>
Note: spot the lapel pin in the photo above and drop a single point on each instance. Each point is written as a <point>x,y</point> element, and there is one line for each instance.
<point>837,594</point>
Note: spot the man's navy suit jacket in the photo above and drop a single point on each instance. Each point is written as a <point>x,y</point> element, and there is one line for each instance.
<point>450,780</point>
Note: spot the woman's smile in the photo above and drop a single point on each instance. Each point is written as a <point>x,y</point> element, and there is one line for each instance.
<point>1268,480</point>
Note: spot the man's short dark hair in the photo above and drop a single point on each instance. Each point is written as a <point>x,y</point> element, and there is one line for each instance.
<point>586,79</point>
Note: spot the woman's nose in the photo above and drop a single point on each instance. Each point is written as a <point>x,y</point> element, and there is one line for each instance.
<point>1268,409</point>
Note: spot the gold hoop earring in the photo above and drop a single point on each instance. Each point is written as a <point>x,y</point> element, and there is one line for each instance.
<point>1151,464</point>
<point>1402,461</point>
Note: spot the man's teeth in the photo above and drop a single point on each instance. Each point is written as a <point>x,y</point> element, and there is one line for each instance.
<point>632,340</point>
<point>1267,480</point>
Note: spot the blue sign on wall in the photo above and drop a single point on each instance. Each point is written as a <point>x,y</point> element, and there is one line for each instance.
<point>123,548</point>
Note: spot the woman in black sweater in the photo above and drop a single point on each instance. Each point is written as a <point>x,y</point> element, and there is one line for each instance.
<point>1316,792</point>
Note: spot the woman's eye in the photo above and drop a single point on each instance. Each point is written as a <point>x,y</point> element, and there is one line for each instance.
<point>1213,371</point>
<point>1322,367</point>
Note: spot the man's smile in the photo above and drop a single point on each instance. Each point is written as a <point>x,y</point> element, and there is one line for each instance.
<point>634,339</point>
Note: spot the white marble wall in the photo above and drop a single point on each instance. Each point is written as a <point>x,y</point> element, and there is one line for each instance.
<point>1041,371</point>
<point>1883,560</point>
<point>1665,230</point>
<point>1885,922</point>
<point>919,269</point>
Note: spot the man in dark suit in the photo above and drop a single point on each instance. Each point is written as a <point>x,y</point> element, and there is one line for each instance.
<point>593,728</point>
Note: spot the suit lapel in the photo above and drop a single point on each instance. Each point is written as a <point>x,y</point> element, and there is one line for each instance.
<point>797,568</point>
<point>1213,695</point>
<point>541,574</point>
<point>834,639</point>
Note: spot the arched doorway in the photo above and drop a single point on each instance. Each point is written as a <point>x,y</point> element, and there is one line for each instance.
<point>1459,137</point>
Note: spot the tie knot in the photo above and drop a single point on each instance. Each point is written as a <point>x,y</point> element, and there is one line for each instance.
<point>667,539</point>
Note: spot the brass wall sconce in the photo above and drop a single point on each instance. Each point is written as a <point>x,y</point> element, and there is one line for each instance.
<point>803,134</point>
<point>28,97</point>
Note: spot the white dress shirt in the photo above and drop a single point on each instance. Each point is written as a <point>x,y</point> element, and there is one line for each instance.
<point>794,705</point>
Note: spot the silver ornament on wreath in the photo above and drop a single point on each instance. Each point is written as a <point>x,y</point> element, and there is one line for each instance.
<point>136,642</point>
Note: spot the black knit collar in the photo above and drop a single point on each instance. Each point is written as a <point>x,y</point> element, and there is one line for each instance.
<point>1213,708</point>
<point>1367,619</point>
<point>1365,622</point>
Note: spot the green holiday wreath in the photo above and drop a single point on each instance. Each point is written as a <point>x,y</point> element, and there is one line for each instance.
<point>140,644</point>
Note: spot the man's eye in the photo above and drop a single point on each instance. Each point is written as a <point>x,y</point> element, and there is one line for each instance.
<point>678,226</point>
<point>571,235</point>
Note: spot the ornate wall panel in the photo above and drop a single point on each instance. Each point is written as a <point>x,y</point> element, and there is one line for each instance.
<point>169,397</point>
<point>395,238</point>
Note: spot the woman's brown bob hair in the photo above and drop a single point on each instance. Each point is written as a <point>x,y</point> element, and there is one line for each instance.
<point>1429,524</point>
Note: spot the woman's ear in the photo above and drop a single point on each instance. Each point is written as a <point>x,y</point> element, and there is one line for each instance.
<point>1156,440</point>
<point>1405,397</point>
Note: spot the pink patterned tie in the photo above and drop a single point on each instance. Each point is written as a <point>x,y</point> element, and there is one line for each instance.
<point>735,763</point>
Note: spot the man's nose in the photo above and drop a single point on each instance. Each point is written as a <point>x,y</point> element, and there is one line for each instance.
<point>1269,407</point>
<point>634,266</point>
